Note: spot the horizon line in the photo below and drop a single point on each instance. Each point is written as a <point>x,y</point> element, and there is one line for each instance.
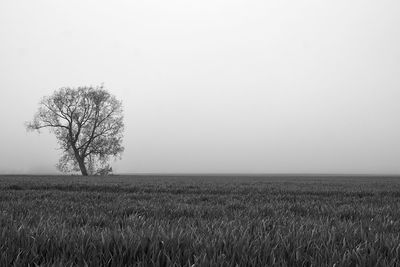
<point>210,174</point>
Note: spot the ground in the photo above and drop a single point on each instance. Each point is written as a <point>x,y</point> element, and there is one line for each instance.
<point>200,220</point>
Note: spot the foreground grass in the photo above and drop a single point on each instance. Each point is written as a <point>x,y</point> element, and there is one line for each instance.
<point>200,221</point>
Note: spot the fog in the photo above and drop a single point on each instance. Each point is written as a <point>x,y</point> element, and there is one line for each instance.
<point>212,86</point>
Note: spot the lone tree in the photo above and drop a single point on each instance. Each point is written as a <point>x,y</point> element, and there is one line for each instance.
<point>88,124</point>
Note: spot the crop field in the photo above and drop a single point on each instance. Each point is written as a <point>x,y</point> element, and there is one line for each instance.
<point>199,221</point>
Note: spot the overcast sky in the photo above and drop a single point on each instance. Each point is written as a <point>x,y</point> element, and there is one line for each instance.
<point>212,86</point>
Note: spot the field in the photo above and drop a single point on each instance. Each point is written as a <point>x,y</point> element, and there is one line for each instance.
<point>199,221</point>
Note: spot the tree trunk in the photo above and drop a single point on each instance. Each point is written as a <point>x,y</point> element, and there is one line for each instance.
<point>82,167</point>
<point>81,162</point>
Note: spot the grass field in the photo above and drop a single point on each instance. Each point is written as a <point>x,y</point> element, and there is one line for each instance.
<point>199,221</point>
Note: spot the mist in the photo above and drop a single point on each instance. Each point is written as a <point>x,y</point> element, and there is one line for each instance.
<point>212,86</point>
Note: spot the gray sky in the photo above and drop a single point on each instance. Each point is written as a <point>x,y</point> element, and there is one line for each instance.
<point>210,85</point>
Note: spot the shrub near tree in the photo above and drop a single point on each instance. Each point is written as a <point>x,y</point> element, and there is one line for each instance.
<point>88,124</point>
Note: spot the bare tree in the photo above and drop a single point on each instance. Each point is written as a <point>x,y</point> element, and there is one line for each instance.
<point>88,124</point>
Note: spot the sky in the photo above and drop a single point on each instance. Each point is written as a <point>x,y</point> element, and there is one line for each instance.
<point>212,86</point>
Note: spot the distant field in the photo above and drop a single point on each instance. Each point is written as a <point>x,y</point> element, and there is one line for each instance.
<point>199,221</point>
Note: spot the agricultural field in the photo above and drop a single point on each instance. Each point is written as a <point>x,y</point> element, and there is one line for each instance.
<point>199,221</point>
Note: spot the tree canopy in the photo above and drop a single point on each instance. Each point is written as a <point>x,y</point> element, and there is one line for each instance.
<point>88,124</point>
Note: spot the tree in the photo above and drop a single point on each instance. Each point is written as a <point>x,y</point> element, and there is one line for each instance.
<point>88,124</point>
